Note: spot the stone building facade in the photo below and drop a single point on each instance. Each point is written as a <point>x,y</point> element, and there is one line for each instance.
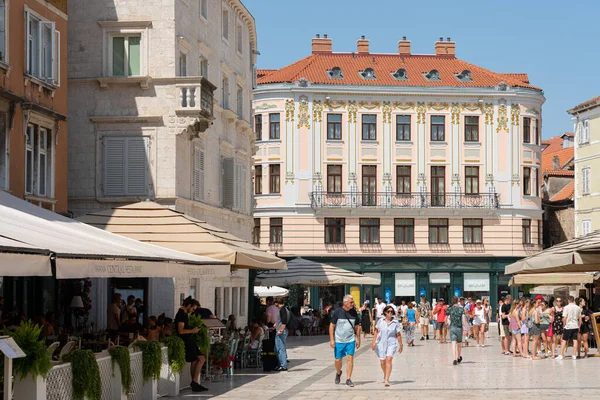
<point>160,106</point>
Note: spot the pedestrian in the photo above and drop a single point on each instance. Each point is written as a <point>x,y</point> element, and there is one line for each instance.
<point>499,318</point>
<point>386,341</point>
<point>440,310</point>
<point>379,307</point>
<point>114,315</point>
<point>455,318</point>
<point>424,309</point>
<point>534,327</point>
<point>469,309</point>
<point>479,322</point>
<point>557,325</point>
<point>283,318</point>
<point>404,308</point>
<point>524,317</point>
<point>272,311</point>
<point>192,353</point>
<point>434,322</point>
<point>571,322</point>
<point>515,327</point>
<point>344,337</point>
<point>544,326</point>
<point>365,318</point>
<point>504,329</point>
<point>411,322</point>
<point>585,328</point>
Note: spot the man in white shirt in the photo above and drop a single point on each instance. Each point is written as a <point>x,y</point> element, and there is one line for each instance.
<point>404,308</point>
<point>571,321</point>
<point>379,308</point>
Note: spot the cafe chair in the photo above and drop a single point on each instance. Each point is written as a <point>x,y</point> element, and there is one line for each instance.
<point>66,350</point>
<point>51,349</point>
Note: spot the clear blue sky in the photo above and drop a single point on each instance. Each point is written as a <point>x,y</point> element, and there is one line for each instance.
<point>556,43</point>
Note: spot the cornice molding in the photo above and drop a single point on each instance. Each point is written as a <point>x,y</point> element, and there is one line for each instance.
<point>245,15</point>
<point>138,23</point>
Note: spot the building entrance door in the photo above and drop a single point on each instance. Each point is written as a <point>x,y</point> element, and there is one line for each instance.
<point>439,292</point>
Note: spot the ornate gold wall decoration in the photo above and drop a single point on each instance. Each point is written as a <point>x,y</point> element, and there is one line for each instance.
<point>488,110</point>
<point>515,114</point>
<point>502,119</point>
<point>455,111</point>
<point>387,112</point>
<point>437,106</point>
<point>421,110</point>
<point>303,114</point>
<point>352,109</point>
<point>317,110</point>
<point>369,105</point>
<point>289,110</point>
<point>335,104</point>
<point>472,106</point>
<point>265,106</point>
<point>532,111</point>
<point>403,106</point>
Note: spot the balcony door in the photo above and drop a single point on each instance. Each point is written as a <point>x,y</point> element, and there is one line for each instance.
<point>369,185</point>
<point>438,186</point>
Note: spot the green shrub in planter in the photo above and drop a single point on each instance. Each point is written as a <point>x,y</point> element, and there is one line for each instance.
<point>151,359</point>
<point>121,356</point>
<point>202,338</point>
<point>37,360</point>
<point>176,351</point>
<point>86,375</point>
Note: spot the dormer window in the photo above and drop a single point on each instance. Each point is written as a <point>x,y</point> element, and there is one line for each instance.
<point>400,75</point>
<point>368,73</point>
<point>464,76</point>
<point>432,76</point>
<point>335,73</point>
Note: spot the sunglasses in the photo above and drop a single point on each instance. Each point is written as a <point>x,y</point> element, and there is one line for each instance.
<point>389,312</point>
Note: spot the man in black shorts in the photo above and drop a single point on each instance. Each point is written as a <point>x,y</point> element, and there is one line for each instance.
<point>571,321</point>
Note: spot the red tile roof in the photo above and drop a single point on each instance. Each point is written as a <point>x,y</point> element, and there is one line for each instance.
<point>569,134</point>
<point>522,77</point>
<point>586,104</point>
<point>560,172</point>
<point>314,68</point>
<point>263,72</point>
<point>566,193</point>
<point>564,156</point>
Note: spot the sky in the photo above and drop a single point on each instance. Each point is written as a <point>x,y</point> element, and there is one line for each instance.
<point>555,43</point>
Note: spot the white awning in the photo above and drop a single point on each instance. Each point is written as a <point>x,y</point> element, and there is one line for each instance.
<point>275,291</point>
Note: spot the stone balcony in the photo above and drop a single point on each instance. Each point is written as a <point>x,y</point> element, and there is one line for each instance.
<point>195,97</point>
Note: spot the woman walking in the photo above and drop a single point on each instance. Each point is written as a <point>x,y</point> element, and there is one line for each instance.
<point>544,326</point>
<point>479,322</point>
<point>584,329</point>
<point>411,322</point>
<point>534,327</point>
<point>488,316</point>
<point>365,318</point>
<point>386,341</point>
<point>557,324</point>
<point>523,318</point>
<point>515,327</point>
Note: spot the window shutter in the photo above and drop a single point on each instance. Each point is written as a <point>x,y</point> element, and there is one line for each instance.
<point>228,182</point>
<point>56,63</point>
<point>114,166</point>
<point>198,172</point>
<point>586,131</point>
<point>136,166</point>
<point>46,31</point>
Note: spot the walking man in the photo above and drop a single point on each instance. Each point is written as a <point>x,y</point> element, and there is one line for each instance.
<point>505,331</point>
<point>455,317</point>
<point>440,309</point>
<point>424,310</point>
<point>281,336</point>
<point>379,308</point>
<point>572,322</point>
<point>344,337</point>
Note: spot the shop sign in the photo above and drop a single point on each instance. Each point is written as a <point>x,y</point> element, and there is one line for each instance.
<point>405,284</point>
<point>439,277</point>
<point>477,282</point>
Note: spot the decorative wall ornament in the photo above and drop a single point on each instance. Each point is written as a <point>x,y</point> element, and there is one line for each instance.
<point>455,179</point>
<point>421,110</point>
<point>488,110</point>
<point>516,180</point>
<point>317,177</point>
<point>502,119</point>
<point>502,86</point>
<point>317,111</point>
<point>421,178</point>
<point>369,105</point>
<point>532,111</point>
<point>386,109</point>
<point>472,106</point>
<point>403,106</point>
<point>289,177</point>
<point>265,106</point>
<point>387,178</point>
<point>437,106</point>
<point>289,110</point>
<point>335,104</point>
<point>352,177</point>
<point>303,114</point>
<point>455,111</point>
<point>515,114</point>
<point>489,179</point>
<point>352,109</point>
<point>303,82</point>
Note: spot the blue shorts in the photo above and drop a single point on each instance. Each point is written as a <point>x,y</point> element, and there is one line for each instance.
<point>344,349</point>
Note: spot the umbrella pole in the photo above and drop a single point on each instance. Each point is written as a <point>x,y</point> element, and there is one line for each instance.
<point>251,284</point>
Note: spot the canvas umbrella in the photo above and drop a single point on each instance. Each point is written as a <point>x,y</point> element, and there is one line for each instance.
<point>266,291</point>
<point>559,278</point>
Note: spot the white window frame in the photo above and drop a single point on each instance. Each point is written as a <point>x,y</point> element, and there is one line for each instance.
<point>6,154</point>
<point>126,34</point>
<point>40,133</point>
<point>29,148</point>
<point>586,131</point>
<point>239,38</point>
<point>42,138</point>
<point>225,24</point>
<point>38,71</point>
<point>586,227</point>
<point>203,11</point>
<point>586,180</point>
<point>203,66</point>
<point>4,36</point>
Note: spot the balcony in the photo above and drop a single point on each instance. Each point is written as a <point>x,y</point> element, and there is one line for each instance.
<point>195,97</point>
<point>383,200</point>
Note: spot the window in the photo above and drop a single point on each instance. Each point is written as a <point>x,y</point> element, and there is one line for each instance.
<point>472,231</point>
<point>403,179</point>
<point>204,67</point>
<point>526,231</point>
<point>335,230</point>
<point>243,300</point>
<point>334,179</point>
<point>38,158</point>
<point>125,54</point>
<point>526,130</point>
<point>274,126</point>
<point>404,230</point>
<point>464,76</point>
<point>226,301</point>
<point>258,179</point>
<point>527,181</point>
<point>432,76</point>
<point>334,126</point>
<point>204,9</point>
<point>438,186</point>
<point>402,127</point>
<point>368,73</point>
<point>585,180</point>
<point>240,102</point>
<point>536,132</point>
<point>198,172</point>
<point>400,75</point>
<point>586,131</point>
<point>540,232</point>
<point>369,230</point>
<point>258,126</point>
<point>437,128</point>
<point>256,232</point>
<point>471,180</point>
<point>3,20</point>
<point>226,24</point>
<point>42,47</point>
<point>240,183</point>
<point>125,166</point>
<point>586,227</point>
<point>276,230</point>
<point>472,129</point>
<point>335,73</point>
<point>369,127</point>
<point>369,185</point>
<point>538,182</point>
<point>235,300</point>
<point>182,64</point>
<point>4,151</point>
<point>274,178</point>
<point>218,301</point>
<point>225,93</point>
<point>438,231</point>
<point>239,33</point>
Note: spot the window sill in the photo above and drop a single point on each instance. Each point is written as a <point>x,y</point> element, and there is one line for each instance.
<point>40,199</point>
<point>239,54</point>
<point>269,141</point>
<point>143,81</point>
<point>111,199</point>
<point>369,141</point>
<point>4,66</point>
<point>40,83</point>
<point>404,143</point>
<point>530,197</point>
<point>472,144</point>
<point>438,143</point>
<point>268,195</point>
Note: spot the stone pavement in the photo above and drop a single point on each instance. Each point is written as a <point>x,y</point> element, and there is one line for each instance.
<point>421,372</point>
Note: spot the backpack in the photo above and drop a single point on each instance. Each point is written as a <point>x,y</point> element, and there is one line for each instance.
<point>292,322</point>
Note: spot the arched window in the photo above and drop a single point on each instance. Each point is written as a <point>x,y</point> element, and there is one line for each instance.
<point>368,73</point>
<point>335,73</point>
<point>400,75</point>
<point>464,76</point>
<point>433,75</point>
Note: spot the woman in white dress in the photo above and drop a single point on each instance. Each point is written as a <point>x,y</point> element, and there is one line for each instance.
<point>387,339</point>
<point>479,322</point>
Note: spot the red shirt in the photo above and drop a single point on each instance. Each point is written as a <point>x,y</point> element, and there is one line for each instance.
<point>441,312</point>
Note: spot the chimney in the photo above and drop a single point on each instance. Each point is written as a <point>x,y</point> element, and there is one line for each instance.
<point>362,45</point>
<point>447,48</point>
<point>321,45</point>
<point>555,162</point>
<point>404,47</point>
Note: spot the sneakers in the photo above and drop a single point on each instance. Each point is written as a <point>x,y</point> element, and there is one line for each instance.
<point>196,387</point>
<point>559,357</point>
<point>459,359</point>
<point>280,369</point>
<point>455,362</point>
<point>574,357</point>
<point>337,378</point>
<point>427,337</point>
<point>422,338</point>
<point>349,383</point>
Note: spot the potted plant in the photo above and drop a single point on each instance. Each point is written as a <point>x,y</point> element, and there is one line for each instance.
<point>202,338</point>
<point>121,357</point>
<point>151,366</point>
<point>170,377</point>
<point>221,357</point>
<point>86,375</point>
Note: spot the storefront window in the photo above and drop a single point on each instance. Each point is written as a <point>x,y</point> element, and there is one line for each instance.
<point>405,286</point>
<point>477,285</point>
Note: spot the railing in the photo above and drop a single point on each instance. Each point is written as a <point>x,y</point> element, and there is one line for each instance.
<point>320,200</point>
<point>195,97</point>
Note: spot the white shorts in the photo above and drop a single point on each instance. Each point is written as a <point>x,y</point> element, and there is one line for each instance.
<point>389,352</point>
<point>424,321</point>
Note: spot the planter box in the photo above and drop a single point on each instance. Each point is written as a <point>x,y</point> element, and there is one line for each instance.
<point>31,388</point>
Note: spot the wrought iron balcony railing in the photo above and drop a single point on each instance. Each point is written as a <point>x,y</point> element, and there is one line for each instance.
<point>410,200</point>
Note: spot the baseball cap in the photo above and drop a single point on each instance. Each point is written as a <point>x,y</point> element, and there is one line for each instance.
<point>441,300</point>
<point>478,301</point>
<point>539,297</point>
